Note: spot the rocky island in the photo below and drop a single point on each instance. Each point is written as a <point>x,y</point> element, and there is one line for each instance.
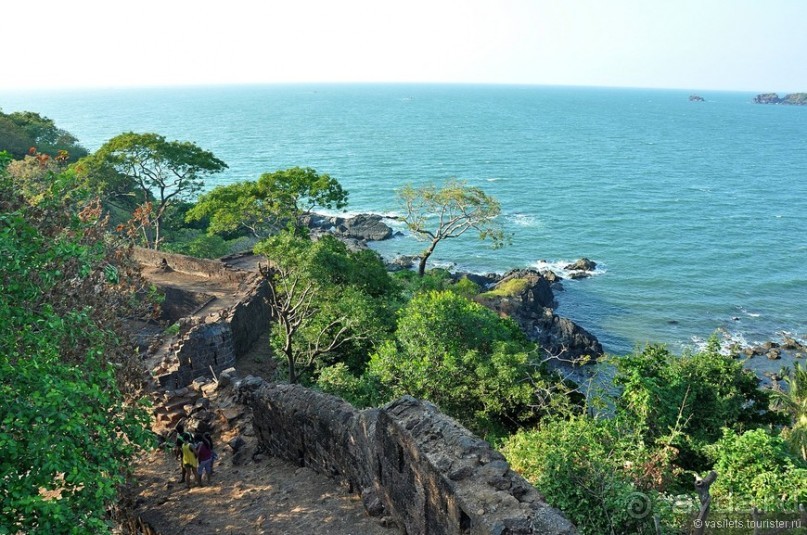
<point>794,99</point>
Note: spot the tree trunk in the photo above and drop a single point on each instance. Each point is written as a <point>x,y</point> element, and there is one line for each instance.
<point>422,265</point>
<point>425,256</point>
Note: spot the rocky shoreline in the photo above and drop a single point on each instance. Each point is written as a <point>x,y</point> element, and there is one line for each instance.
<point>527,296</point>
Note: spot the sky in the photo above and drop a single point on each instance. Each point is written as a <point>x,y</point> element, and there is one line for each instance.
<point>742,45</point>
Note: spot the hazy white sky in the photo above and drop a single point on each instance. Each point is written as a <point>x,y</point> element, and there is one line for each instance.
<point>750,45</point>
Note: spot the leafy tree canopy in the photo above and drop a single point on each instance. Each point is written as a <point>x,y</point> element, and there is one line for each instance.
<point>687,400</point>
<point>756,469</point>
<point>476,366</point>
<point>23,130</point>
<point>269,204</point>
<point>437,214</point>
<point>165,172</point>
<point>792,401</point>
<point>330,304</point>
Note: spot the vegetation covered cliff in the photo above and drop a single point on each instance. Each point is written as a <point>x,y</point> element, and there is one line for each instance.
<point>70,418</point>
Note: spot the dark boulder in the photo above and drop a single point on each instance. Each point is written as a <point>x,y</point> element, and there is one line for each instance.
<point>401,263</point>
<point>564,338</point>
<point>583,264</point>
<point>367,227</point>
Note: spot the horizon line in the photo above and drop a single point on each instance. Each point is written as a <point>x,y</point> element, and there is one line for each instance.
<point>195,85</point>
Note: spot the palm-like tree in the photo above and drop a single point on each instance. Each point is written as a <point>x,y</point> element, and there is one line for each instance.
<point>793,401</point>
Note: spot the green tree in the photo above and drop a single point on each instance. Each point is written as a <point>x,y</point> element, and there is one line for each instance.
<point>269,204</point>
<point>687,400</point>
<point>164,172</point>
<point>580,466</point>
<point>793,402</point>
<point>755,468</point>
<point>329,304</point>
<point>476,366</point>
<point>434,215</point>
<point>20,131</point>
<point>67,432</point>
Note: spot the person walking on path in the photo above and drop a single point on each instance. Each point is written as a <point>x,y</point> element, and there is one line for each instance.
<point>180,440</point>
<point>204,453</point>
<point>190,463</point>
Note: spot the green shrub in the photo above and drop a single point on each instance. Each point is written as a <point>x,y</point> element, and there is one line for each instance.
<point>756,468</point>
<point>579,465</point>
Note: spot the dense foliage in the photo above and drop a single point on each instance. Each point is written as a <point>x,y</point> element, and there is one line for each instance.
<point>474,365</point>
<point>22,131</point>
<point>588,468</point>
<point>792,401</point>
<point>672,417</point>
<point>275,201</point>
<point>689,399</point>
<point>67,431</point>
<point>330,304</point>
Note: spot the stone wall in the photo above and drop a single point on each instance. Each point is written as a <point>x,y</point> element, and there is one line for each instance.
<point>212,343</point>
<point>213,269</point>
<point>250,317</point>
<point>202,348</point>
<point>407,459</point>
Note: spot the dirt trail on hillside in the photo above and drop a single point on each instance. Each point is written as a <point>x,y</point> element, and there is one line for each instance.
<point>249,494</point>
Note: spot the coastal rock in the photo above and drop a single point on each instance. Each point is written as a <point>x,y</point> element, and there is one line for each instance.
<point>583,264</point>
<point>562,337</point>
<point>362,227</point>
<point>696,98</point>
<point>367,227</point>
<point>487,280</point>
<point>400,263</point>
<point>526,297</point>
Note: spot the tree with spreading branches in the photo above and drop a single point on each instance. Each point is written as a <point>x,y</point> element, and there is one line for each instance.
<point>163,172</point>
<point>436,214</point>
<point>328,304</point>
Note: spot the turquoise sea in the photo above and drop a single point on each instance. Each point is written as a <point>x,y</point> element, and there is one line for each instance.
<point>696,212</point>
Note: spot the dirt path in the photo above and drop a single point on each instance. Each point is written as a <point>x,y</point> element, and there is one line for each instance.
<point>249,494</point>
<point>269,496</point>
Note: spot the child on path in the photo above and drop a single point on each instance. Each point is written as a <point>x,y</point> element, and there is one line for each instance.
<point>204,453</point>
<point>190,463</point>
<point>180,440</point>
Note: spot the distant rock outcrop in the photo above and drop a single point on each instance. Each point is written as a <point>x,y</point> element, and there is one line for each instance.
<point>794,99</point>
<point>696,98</point>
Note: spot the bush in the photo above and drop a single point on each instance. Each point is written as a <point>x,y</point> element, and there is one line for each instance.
<point>579,465</point>
<point>67,433</point>
<point>476,366</point>
<point>687,400</point>
<point>756,468</point>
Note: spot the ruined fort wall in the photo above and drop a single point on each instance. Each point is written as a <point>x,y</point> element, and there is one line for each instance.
<point>407,459</point>
<point>250,317</point>
<point>201,267</point>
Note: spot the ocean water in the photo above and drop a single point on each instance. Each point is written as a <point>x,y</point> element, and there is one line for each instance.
<point>696,212</point>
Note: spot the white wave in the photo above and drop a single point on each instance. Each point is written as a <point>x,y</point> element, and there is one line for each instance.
<point>559,267</point>
<point>747,313</point>
<point>493,179</point>
<point>524,220</point>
